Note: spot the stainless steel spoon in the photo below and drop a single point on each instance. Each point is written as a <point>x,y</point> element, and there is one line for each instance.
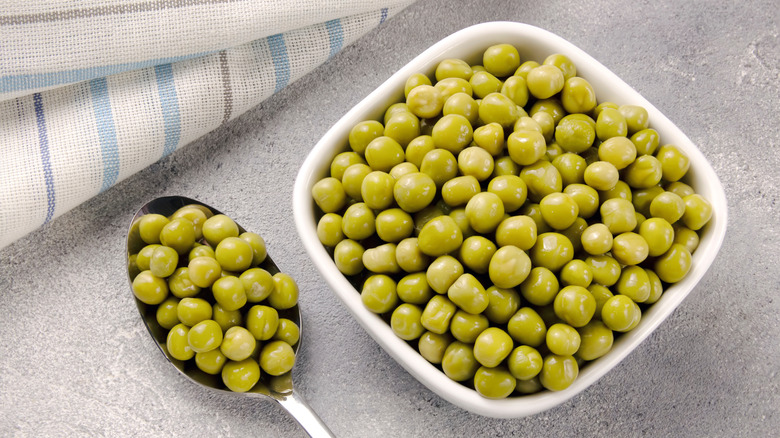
<point>278,388</point>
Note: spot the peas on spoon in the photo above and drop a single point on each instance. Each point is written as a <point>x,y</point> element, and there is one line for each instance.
<point>171,218</point>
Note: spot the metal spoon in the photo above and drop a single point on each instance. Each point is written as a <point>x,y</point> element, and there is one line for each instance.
<point>278,388</point>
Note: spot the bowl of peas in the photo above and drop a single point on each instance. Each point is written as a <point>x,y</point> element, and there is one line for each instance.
<point>507,218</point>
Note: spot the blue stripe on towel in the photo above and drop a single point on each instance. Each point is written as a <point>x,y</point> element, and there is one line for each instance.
<point>280,59</point>
<point>169,104</point>
<point>336,36</point>
<point>104,120</point>
<point>43,140</point>
<point>384,16</point>
<point>40,80</point>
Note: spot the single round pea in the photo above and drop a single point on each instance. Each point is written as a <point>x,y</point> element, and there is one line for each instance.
<point>379,293</point>
<point>485,211</point>
<point>489,137</point>
<point>464,105</point>
<point>437,314</point>
<point>634,283</point>
<point>502,304</point>
<point>466,327</point>
<point>636,117</point>
<point>559,210</point>
<point>540,287</point>
<point>348,257</point>
<point>458,362</point>
<point>656,287</point>
<point>545,81</point>
<point>586,197</point>
<point>618,215</point>
<point>511,189</point>
<point>238,343</point>
<point>288,331</point>
<point>422,217</point>
<point>475,161</point>
<point>501,59</point>
<point>571,167</point>
<point>526,146</point>
<point>574,135</point>
<point>191,311</point>
<point>509,267</point>
<point>441,235</point>
<point>329,229</point>
<point>630,248</point>
<point>197,214</point>
<point>505,166</point>
<point>226,318</point>
<point>210,362</point>
<point>277,358</point>
<point>453,67</point>
<point>605,269</point>
<point>219,227</point>
<point>611,123</point>
<point>414,80</point>
<point>516,88</point>
<point>547,122</point>
<point>358,221</point>
<point>342,161</point>
<point>201,251</point>
<point>498,108</point>
<point>562,339</point>
<point>576,273</point>
<point>541,178</point>
<point>405,322</point>
<point>433,345</point>
<point>673,265</point>
<point>646,171</point>
<point>166,313</point>
<point>519,231</point>
<point>452,132</point>
<point>262,321</point>
<point>530,386</point>
<point>686,237</point>
<point>646,141</point>
<point>352,180</point>
<point>641,198</point>
<point>413,191</point>
<point>459,190</point>
<point>443,272</point>
<point>658,234</point>
<point>492,346</point>
<point>601,175</point>
<point>552,251</point>
<point>679,188</point>
<point>596,239</point>
<point>204,336</point>
<point>476,252</point>
<point>601,294</point>
<point>577,95</point>
<point>558,372</point>
<point>494,383</point>
<point>150,289</point>
<point>414,289</point>
<point>668,206</point>
<point>525,123</point>
<point>620,313</point>
<point>527,327</point>
<point>525,67</point>
<point>178,234</point>
<point>468,294</point>
<point>285,292</point>
<point>524,362</point>
<point>441,165</point>
<point>381,259</point>
<point>176,343</point>
<point>409,257</point>
<point>234,254</point>
<point>377,190</point>
<point>257,243</point>
<point>619,151</point>
<point>363,133</point>
<point>150,226</point>
<point>241,376</point>
<point>483,83</point>
<point>394,225</point>
<point>595,340</point>
<point>575,305</point>
<point>698,211</point>
<point>383,153</point>
<point>402,127</point>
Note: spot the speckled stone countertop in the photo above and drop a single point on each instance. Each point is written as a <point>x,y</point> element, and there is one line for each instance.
<point>75,359</point>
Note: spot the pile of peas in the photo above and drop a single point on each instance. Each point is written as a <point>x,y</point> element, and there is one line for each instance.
<point>505,223</point>
<point>217,294</point>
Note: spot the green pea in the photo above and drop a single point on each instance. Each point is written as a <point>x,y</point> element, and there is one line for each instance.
<point>342,161</point>
<point>358,222</point>
<point>509,267</point>
<point>619,151</point>
<point>656,287</point>
<point>464,105</point>
<point>646,141</point>
<point>574,233</point>
<point>414,80</point>
<point>524,362</point>
<point>595,340</point>
<point>645,172</point>
<point>630,248</point>
<point>262,321</point>
<point>620,313</point>
<point>519,231</point>
<point>238,343</point>
<point>241,376</point>
<point>525,67</point>
<point>437,315</point>
<point>218,227</point>
<point>483,83</point>
<point>505,166</point>
<point>605,269</point>
<point>501,59</point>
<point>476,252</point>
<point>459,190</point>
<point>558,372</point>
<point>494,383</point>
<point>485,211</point>
<point>526,146</point>
<point>409,256</point>
<point>574,135</point>
<point>586,197</point>
<point>541,178</point>
<point>552,251</point>
<point>150,289</point>
<point>466,327</point>
<point>498,108</point>
<point>226,318</point>
<point>441,165</point>
<point>641,198</point>
<point>601,294</point>
<point>288,331</point>
<point>201,251</point>
<point>610,123</point>
<point>176,343</point>
<point>489,137</point>
<point>285,292</point>
<point>511,189</point>
<point>204,336</point>
<point>405,322</point>
<point>403,127</point>
<point>414,289</point>
<point>377,190</point>
<point>383,153</point>
<point>468,294</point>
<point>562,339</point>
<point>492,346</point>
<point>363,133</point>
<point>394,225</point>
<point>450,86</point>
<point>636,117</point>
<point>229,292</point>
<point>475,161</point>
<point>432,346</point>
<point>634,283</point>
<point>396,108</point>
<point>527,327</point>
<point>381,259</point>
<point>516,88</point>
<point>679,188</point>
<point>348,256</point>
<point>443,272</point>
<point>673,265</point>
<point>452,132</point>
<point>559,210</point>
<point>441,235</point>
<point>597,239</point>
<point>379,293</point>
<point>329,229</point>
<point>417,148</point>
<point>166,313</point>
<point>540,287</point>
<point>458,362</point>
<point>150,226</point>
<point>658,234</point>
<point>277,358</point>
<point>210,362</point>
<point>698,212</point>
<point>575,305</point>
<point>502,304</point>
<point>618,215</point>
<point>601,175</point>
<point>545,81</point>
<point>352,180</point>
<point>576,273</point>
<point>686,237</point>
<point>578,95</point>
<point>668,206</point>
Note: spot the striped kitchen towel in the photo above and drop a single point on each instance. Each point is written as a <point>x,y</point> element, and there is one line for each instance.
<point>92,91</point>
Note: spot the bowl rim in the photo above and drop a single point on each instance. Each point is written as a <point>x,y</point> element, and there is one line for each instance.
<point>463,43</point>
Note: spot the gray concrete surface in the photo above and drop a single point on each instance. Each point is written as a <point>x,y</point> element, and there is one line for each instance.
<point>76,361</point>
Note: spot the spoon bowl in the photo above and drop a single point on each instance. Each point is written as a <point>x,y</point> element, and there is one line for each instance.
<point>279,388</point>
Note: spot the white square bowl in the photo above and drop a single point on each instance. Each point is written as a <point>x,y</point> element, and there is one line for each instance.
<point>536,44</point>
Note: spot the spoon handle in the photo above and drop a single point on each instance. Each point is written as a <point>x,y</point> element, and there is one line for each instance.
<point>296,406</point>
